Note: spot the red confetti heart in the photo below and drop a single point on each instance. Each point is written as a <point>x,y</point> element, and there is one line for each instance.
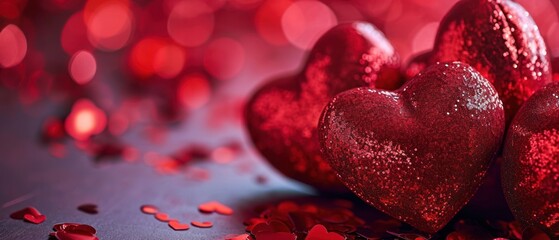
<point>88,208</point>
<point>74,231</point>
<point>149,209</point>
<point>36,219</point>
<point>177,226</point>
<point>206,224</point>
<point>238,237</point>
<point>530,169</point>
<point>162,217</point>
<point>319,232</point>
<point>275,236</point>
<point>499,39</point>
<point>414,153</point>
<point>21,213</point>
<point>75,228</point>
<point>215,206</point>
<point>282,116</point>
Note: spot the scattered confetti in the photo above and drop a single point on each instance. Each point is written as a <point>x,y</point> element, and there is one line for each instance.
<point>319,232</point>
<point>36,219</point>
<point>202,224</point>
<point>88,208</point>
<point>215,206</point>
<point>29,214</point>
<point>149,209</point>
<point>177,226</point>
<point>74,231</point>
<point>162,217</point>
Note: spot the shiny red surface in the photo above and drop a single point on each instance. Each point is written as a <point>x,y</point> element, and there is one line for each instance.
<point>418,153</point>
<point>530,169</point>
<point>282,115</point>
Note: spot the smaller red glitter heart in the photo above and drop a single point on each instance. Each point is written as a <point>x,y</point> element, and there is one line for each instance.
<point>34,218</point>
<point>319,232</point>
<point>206,224</point>
<point>177,226</point>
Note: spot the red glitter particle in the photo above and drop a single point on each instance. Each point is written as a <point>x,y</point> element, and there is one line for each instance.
<point>29,214</point>
<point>88,208</point>
<point>206,224</point>
<point>149,209</point>
<point>162,217</point>
<point>319,232</point>
<point>177,226</point>
<point>215,206</point>
<point>74,231</point>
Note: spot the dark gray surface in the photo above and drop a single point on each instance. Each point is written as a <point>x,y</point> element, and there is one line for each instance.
<point>30,176</point>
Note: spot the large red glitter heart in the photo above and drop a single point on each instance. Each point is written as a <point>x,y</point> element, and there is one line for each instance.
<point>282,116</point>
<point>501,41</point>
<point>418,153</point>
<point>530,170</point>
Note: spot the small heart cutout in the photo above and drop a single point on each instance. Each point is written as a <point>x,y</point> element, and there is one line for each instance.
<point>36,219</point>
<point>162,217</point>
<point>177,226</point>
<point>319,232</point>
<point>18,215</point>
<point>88,208</point>
<point>206,224</point>
<point>149,209</point>
<point>215,206</point>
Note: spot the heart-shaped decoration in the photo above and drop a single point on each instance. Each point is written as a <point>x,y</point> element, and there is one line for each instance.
<point>36,219</point>
<point>177,226</point>
<point>163,217</point>
<point>21,213</point>
<point>206,224</point>
<point>418,153</point>
<point>530,170</point>
<point>282,116</point>
<point>215,206</point>
<point>319,232</point>
<point>88,208</point>
<point>501,41</point>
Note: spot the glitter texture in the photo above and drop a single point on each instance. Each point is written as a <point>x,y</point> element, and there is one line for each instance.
<point>530,171</point>
<point>282,116</point>
<point>418,153</point>
<point>500,40</point>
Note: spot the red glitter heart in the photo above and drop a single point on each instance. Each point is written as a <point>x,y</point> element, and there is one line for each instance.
<point>206,224</point>
<point>215,206</point>
<point>177,226</point>
<point>36,219</point>
<point>319,232</point>
<point>282,115</point>
<point>500,40</point>
<point>530,169</point>
<point>88,208</point>
<point>418,153</point>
